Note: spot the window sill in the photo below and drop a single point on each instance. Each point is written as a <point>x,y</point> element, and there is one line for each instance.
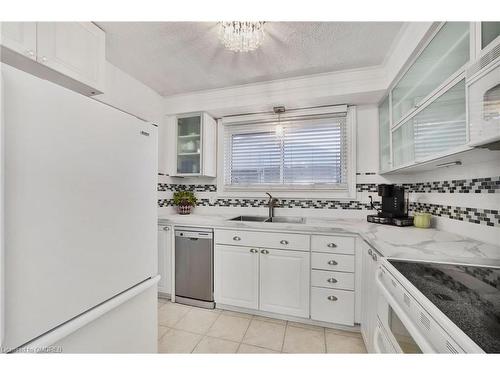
<point>298,193</point>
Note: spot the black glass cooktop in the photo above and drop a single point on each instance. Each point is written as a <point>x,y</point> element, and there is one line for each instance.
<point>468,295</point>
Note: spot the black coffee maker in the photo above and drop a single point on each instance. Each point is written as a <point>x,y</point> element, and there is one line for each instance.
<point>394,206</point>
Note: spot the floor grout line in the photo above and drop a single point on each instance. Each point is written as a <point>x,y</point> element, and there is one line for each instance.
<point>251,318</point>
<point>284,336</point>
<point>246,330</point>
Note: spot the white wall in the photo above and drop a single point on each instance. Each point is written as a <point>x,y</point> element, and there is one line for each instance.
<point>128,94</point>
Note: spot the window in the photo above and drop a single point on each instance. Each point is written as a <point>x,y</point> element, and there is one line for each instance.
<point>299,153</point>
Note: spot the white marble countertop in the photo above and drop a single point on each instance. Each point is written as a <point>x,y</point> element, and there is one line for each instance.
<point>394,242</point>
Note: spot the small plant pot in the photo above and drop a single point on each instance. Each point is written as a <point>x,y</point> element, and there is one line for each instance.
<point>184,210</point>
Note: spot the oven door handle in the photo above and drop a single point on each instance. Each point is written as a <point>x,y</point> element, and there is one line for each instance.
<point>405,319</point>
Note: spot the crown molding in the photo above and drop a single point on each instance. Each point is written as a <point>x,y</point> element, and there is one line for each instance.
<point>354,86</point>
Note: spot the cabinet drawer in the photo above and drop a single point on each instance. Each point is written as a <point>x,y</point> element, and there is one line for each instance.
<point>329,279</point>
<point>285,241</point>
<point>333,244</point>
<point>332,305</point>
<point>332,262</point>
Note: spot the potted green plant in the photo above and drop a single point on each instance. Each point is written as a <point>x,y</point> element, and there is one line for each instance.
<point>184,200</point>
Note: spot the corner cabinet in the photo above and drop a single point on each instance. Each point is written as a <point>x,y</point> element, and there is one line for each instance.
<point>71,54</point>
<point>196,139</point>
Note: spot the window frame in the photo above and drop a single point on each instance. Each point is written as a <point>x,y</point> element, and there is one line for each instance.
<point>291,191</point>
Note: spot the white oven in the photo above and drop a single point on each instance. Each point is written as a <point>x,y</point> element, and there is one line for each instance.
<point>404,326</point>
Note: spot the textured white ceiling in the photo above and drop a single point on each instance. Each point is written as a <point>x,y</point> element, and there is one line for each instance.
<point>178,57</point>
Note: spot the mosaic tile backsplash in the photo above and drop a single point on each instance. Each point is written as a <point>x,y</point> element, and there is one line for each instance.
<point>487,185</point>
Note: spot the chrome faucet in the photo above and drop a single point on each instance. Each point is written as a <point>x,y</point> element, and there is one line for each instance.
<point>272,203</point>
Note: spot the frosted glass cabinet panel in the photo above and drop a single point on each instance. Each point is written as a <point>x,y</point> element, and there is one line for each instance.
<point>439,127</point>
<point>384,135</point>
<point>444,55</point>
<point>189,145</point>
<point>403,151</point>
<point>442,125</point>
<point>489,32</point>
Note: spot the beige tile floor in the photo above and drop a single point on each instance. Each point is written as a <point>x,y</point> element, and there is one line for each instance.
<point>186,329</point>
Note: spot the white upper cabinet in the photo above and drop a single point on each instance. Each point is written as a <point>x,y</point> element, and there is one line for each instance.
<point>445,54</point>
<point>284,282</point>
<point>75,49</point>
<point>19,37</point>
<point>196,139</point>
<point>490,32</point>
<point>384,134</point>
<point>71,54</point>
<point>437,128</point>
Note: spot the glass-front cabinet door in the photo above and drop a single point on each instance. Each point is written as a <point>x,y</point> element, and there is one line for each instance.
<point>489,32</point>
<point>439,127</point>
<point>384,134</point>
<point>189,144</point>
<point>403,150</point>
<point>442,125</point>
<point>444,55</point>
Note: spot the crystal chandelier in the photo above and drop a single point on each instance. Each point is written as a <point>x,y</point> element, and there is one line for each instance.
<point>241,36</point>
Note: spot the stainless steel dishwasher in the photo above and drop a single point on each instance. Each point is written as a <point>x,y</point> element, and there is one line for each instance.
<point>194,266</point>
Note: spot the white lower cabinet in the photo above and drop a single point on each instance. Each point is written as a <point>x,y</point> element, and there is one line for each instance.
<point>237,276</point>
<point>369,296</point>
<point>284,282</point>
<point>332,305</point>
<point>165,259</point>
<point>254,270</point>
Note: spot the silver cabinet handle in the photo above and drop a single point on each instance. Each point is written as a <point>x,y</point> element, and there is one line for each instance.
<point>254,251</point>
<point>236,238</point>
<point>332,298</point>
<point>374,257</point>
<point>44,59</point>
<point>264,252</point>
<point>331,280</point>
<point>284,242</point>
<point>332,245</point>
<point>166,229</point>
<point>370,251</point>
<point>332,263</point>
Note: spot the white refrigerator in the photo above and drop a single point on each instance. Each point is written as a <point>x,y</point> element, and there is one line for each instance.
<point>79,212</point>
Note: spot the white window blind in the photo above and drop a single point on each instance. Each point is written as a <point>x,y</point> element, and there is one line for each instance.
<point>299,153</point>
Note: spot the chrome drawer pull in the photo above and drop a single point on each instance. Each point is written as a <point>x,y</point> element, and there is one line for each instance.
<point>166,229</point>
<point>332,280</point>
<point>284,242</point>
<point>374,257</point>
<point>254,251</point>
<point>332,263</point>
<point>264,252</point>
<point>332,298</point>
<point>370,251</point>
<point>236,238</point>
<point>331,244</point>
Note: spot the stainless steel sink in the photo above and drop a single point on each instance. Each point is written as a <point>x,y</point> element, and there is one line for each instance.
<point>286,219</point>
<point>260,219</point>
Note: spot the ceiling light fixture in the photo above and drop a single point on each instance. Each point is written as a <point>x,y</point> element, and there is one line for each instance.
<point>242,36</point>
